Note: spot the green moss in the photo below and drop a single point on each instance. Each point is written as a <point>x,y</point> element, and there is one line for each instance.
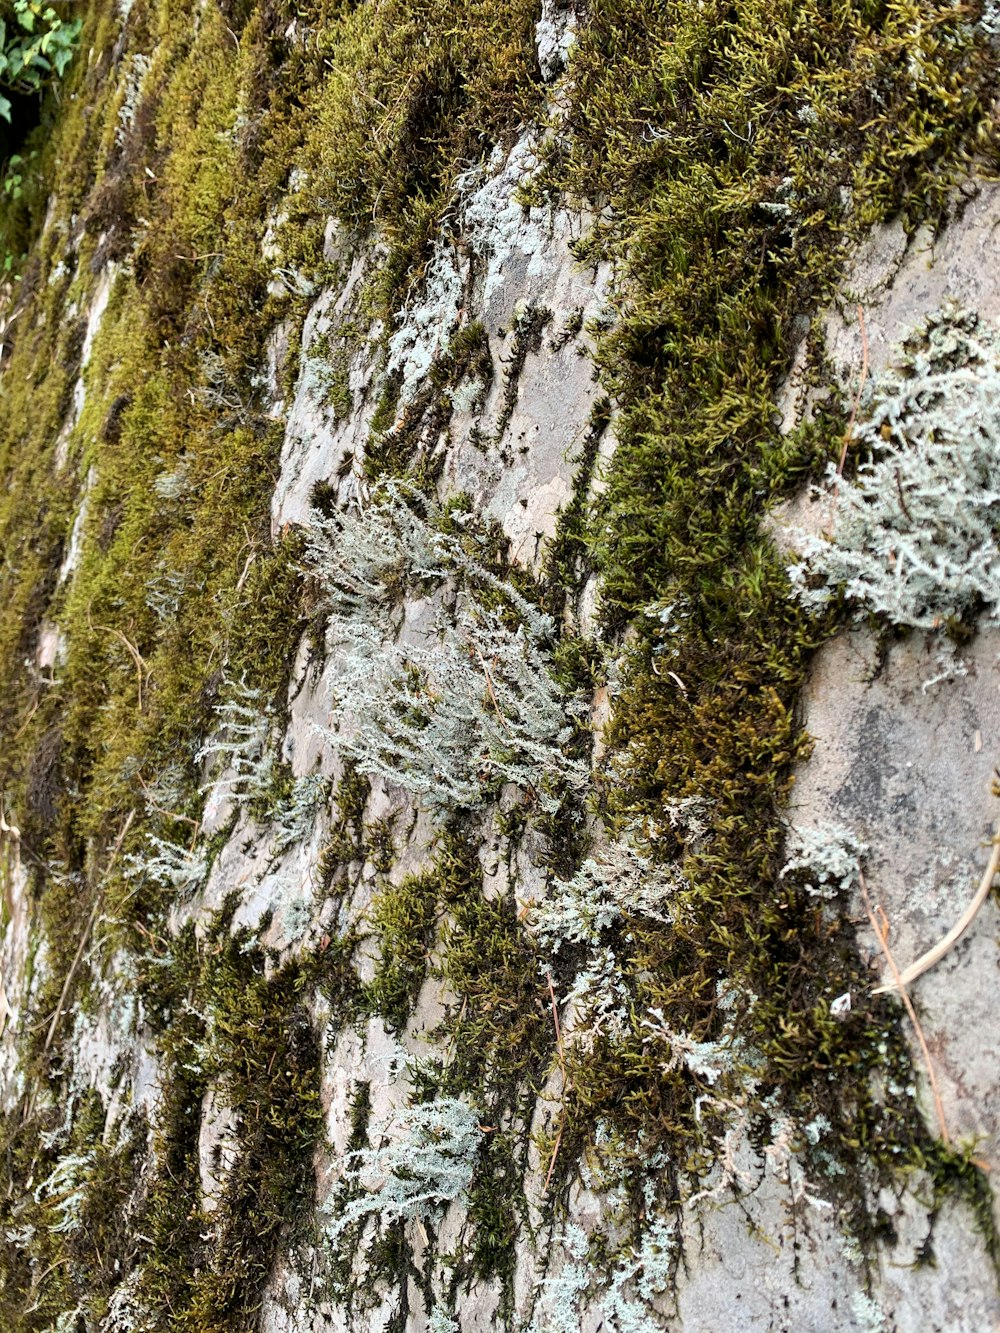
<point>230,1027</point>
<point>347,842</point>
<point>414,95</point>
<point>413,442</point>
<point>527,338</point>
<point>175,586</point>
<point>74,1230</point>
<point>497,1212</point>
<point>403,918</point>
<point>730,153</point>
<point>568,559</point>
<point>735,151</point>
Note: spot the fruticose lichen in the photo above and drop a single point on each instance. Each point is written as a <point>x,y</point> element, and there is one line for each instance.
<point>913,534</point>
<point>825,860</point>
<point>423,1162</point>
<point>456,707</point>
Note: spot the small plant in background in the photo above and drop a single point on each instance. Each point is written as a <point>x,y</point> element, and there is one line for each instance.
<point>707,1061</point>
<point>169,863</point>
<point>989,20</point>
<point>164,594</point>
<point>251,772</point>
<point>621,1266</point>
<point>138,67</point>
<point>36,45</point>
<point>13,176</point>
<point>294,814</point>
<point>868,1313</point>
<point>64,1191</point>
<point>127,1312</point>
<point>242,743</point>
<point>366,557</point>
<point>914,536</point>
<point>363,558</point>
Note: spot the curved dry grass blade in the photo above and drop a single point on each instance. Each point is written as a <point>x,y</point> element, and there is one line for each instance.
<point>882,935</point>
<point>927,960</point>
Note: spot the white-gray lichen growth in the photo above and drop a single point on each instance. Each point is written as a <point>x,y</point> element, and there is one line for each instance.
<point>824,860</point>
<point>465,701</point>
<point>913,537</point>
<point>423,1163</point>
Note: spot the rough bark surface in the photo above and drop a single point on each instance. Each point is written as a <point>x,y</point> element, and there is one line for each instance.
<point>434,821</point>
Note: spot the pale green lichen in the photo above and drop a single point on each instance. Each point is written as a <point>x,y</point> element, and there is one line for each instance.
<point>913,536</point>
<point>621,1287</point>
<point>455,707</point>
<point>824,860</point>
<point>453,717</point>
<point>868,1313</point>
<point>620,883</point>
<point>422,1162</point>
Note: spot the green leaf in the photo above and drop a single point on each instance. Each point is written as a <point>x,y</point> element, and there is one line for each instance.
<point>4,108</point>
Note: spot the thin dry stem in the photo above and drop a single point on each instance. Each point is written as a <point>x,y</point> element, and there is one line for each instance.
<point>98,896</point>
<point>493,698</point>
<point>881,934</point>
<point>932,956</point>
<point>137,658</point>
<point>565,1088</point>
<point>857,397</point>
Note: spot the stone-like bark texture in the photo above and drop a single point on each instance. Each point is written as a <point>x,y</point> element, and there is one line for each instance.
<point>270,1028</point>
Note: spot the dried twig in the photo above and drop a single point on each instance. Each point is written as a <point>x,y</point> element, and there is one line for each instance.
<point>857,397</point>
<point>882,935</point>
<point>493,698</point>
<point>932,956</point>
<point>565,1088</point>
<point>137,658</point>
<point>5,1009</point>
<point>15,833</point>
<point>902,498</point>
<point>98,895</point>
<point>27,721</point>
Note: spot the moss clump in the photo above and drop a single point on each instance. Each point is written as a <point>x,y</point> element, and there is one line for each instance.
<point>735,151</point>
<point>497,1036</point>
<point>730,152</point>
<point>247,1036</point>
<point>404,920</point>
<point>414,442</point>
<point>77,1226</point>
<point>178,579</point>
<point>417,93</point>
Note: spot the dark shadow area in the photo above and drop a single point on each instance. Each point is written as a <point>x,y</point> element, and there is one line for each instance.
<point>25,116</point>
